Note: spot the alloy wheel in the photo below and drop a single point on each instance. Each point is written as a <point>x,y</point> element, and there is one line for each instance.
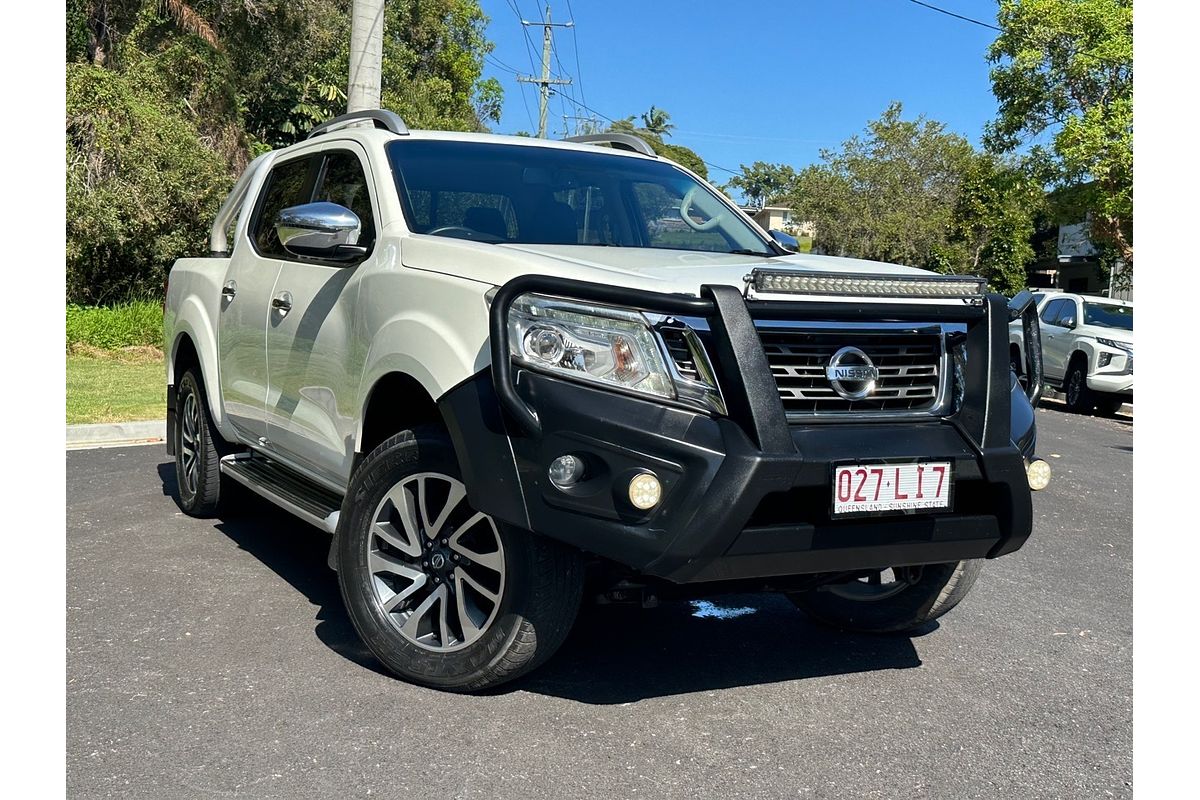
<point>189,444</point>
<point>436,565</point>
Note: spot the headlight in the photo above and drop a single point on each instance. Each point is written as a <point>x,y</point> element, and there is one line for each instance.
<point>610,346</point>
<point>1128,348</point>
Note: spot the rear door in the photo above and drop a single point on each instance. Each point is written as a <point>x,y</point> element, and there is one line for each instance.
<point>314,357</point>
<point>246,296</point>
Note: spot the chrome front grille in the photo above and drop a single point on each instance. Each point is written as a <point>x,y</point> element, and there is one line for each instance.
<point>911,364</point>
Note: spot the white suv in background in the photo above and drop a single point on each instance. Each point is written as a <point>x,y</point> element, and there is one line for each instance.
<point>1087,349</point>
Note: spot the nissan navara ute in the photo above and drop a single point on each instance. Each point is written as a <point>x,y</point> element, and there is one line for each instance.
<point>507,373</point>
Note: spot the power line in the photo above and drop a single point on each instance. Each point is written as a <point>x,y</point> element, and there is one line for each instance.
<point>586,107</point>
<point>956,16</point>
<point>498,64</point>
<point>516,9</point>
<point>611,120</point>
<point>1081,53</point>
<point>575,44</point>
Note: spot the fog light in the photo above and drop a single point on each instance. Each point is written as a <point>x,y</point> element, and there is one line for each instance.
<point>566,471</point>
<point>645,491</point>
<point>1038,472</point>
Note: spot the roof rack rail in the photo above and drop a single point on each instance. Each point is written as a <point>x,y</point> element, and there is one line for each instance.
<point>388,120</point>
<point>620,141</point>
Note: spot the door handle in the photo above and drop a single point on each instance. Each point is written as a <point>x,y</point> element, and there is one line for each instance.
<point>282,302</point>
<point>229,289</point>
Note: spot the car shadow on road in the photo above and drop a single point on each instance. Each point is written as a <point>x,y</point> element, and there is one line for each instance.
<point>614,654</point>
<point>620,655</point>
<point>296,552</point>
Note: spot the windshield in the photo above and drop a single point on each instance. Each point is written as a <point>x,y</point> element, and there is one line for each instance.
<point>1108,315</point>
<point>518,194</point>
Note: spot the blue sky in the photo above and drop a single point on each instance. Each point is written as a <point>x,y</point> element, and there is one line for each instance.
<point>746,81</point>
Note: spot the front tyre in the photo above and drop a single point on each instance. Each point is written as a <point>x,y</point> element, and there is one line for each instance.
<point>892,600</point>
<point>1109,404</point>
<point>1079,398</point>
<point>443,595</point>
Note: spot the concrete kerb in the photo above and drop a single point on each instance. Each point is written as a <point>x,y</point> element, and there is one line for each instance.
<point>116,434</point>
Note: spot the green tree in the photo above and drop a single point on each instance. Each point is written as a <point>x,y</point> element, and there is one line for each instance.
<point>910,192</point>
<point>169,99</point>
<point>887,195</point>
<point>1066,67</point>
<point>141,186</point>
<point>993,222</point>
<point>684,156</point>
<point>658,122</point>
<point>762,183</point>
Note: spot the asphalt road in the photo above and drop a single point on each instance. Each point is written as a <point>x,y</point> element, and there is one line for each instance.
<point>216,660</point>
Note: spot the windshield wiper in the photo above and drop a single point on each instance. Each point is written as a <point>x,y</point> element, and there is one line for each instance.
<point>745,252</point>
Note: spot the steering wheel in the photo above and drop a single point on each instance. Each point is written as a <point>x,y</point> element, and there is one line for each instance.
<point>685,206</point>
<point>447,228</point>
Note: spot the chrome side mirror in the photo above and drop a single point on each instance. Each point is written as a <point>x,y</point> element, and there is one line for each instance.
<point>320,230</point>
<point>785,240</point>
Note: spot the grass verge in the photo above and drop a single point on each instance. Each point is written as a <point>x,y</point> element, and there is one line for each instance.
<point>134,324</point>
<point>115,386</point>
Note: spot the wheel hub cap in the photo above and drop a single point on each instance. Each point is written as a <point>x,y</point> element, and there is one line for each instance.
<point>436,564</point>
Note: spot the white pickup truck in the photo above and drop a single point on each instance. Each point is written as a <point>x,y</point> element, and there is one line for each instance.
<point>507,373</point>
<point>1087,349</point>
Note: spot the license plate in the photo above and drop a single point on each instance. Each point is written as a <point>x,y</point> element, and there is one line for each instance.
<point>881,488</point>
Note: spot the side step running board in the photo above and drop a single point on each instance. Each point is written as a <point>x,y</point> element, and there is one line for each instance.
<point>287,488</point>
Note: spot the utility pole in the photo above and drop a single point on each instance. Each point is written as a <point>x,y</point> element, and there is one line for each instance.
<point>545,82</point>
<point>583,125</point>
<point>365,89</point>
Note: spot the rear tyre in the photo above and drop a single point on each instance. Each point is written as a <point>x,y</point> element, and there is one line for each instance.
<point>198,450</point>
<point>443,595</point>
<point>898,599</point>
<point>1079,397</point>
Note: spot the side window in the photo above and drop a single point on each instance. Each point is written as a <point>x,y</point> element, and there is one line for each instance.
<point>1069,313</point>
<point>286,186</point>
<point>344,183</point>
<point>1052,310</point>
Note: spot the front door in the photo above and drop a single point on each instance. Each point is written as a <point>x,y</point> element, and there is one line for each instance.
<point>1056,338</point>
<point>314,357</point>
<point>246,298</point>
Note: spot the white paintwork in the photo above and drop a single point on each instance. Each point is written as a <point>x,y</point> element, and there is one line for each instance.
<point>416,306</point>
<point>1060,344</point>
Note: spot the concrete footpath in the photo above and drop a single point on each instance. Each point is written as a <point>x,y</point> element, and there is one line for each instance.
<point>116,434</point>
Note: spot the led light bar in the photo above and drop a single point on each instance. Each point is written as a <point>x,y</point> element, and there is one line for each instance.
<point>947,287</point>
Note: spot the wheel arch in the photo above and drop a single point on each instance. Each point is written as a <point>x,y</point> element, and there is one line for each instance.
<point>1081,353</point>
<point>194,343</point>
<point>396,400</point>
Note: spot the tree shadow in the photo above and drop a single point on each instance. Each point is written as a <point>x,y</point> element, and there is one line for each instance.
<point>614,654</point>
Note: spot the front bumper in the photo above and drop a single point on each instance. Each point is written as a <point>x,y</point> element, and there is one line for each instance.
<point>1112,384</point>
<point>745,496</point>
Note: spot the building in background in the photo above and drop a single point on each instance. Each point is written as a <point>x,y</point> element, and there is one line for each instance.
<point>1072,264</point>
<point>779,218</point>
